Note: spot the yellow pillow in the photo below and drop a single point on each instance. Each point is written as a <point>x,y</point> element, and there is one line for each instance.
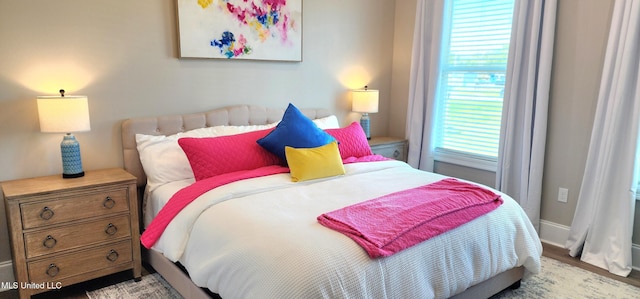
<point>314,163</point>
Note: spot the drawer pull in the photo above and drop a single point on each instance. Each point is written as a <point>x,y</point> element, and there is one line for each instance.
<point>53,270</point>
<point>49,242</point>
<point>109,202</point>
<point>46,213</point>
<point>111,229</point>
<point>113,255</point>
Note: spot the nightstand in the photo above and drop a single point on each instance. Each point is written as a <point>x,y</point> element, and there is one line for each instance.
<point>390,147</point>
<point>65,231</point>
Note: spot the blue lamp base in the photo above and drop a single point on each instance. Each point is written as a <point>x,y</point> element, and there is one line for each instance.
<point>364,123</point>
<point>71,160</point>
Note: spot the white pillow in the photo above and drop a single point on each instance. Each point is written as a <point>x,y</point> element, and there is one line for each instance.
<point>224,130</point>
<point>162,159</point>
<point>329,122</point>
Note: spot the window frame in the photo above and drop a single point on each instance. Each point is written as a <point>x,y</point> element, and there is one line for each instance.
<point>441,154</point>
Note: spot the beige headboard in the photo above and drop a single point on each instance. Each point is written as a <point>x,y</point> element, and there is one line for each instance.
<point>171,124</point>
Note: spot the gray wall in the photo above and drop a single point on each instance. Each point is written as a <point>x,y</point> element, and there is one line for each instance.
<point>581,37</point>
<point>123,56</point>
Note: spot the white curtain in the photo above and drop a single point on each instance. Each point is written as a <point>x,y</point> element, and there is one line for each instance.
<point>603,222</point>
<point>524,112</point>
<point>423,81</point>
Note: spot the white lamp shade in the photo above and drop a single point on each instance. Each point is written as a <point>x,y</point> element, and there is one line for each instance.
<point>365,100</point>
<point>63,114</point>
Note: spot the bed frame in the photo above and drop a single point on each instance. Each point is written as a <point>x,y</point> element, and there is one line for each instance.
<point>238,115</point>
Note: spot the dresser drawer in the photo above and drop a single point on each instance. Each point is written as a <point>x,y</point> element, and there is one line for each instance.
<point>64,209</point>
<point>390,147</point>
<point>65,266</point>
<point>77,235</point>
<point>393,152</point>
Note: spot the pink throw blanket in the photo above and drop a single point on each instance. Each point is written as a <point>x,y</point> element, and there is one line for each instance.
<point>388,224</point>
<point>188,194</point>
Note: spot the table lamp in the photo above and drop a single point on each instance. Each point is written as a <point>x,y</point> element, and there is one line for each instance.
<point>365,101</point>
<point>66,114</point>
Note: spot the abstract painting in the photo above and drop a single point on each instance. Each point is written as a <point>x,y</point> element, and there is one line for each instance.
<point>241,29</point>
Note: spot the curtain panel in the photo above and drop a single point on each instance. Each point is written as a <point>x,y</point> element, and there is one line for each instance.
<point>525,107</point>
<point>425,58</point>
<point>602,227</point>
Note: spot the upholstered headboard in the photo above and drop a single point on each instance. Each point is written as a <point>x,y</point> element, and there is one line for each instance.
<point>171,124</point>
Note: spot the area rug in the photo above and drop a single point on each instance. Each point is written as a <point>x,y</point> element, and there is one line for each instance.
<point>557,280</point>
<point>152,286</point>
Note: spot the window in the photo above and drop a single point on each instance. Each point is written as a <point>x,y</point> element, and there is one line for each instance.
<point>473,65</point>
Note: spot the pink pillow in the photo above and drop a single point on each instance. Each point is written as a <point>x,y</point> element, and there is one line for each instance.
<point>219,155</point>
<point>352,141</point>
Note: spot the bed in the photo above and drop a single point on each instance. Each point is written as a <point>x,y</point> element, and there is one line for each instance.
<point>259,237</point>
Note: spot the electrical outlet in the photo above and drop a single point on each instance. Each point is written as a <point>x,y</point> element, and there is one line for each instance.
<point>563,194</point>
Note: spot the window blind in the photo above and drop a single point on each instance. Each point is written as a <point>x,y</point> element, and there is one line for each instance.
<point>472,76</point>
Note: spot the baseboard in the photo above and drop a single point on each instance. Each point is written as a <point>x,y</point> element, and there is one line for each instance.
<point>553,233</point>
<point>6,274</point>
<point>635,257</point>
<point>557,235</point>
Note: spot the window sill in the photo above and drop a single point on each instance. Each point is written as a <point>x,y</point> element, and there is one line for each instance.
<point>464,159</point>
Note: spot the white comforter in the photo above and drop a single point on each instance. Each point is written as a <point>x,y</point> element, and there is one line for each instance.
<point>259,238</point>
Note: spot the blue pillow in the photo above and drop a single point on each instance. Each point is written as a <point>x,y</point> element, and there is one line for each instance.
<point>294,130</point>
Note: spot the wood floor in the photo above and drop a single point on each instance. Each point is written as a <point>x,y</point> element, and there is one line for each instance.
<point>78,291</point>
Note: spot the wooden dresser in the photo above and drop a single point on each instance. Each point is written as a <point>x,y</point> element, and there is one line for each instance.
<point>65,231</point>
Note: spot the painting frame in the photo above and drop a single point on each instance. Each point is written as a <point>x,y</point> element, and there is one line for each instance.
<point>240,30</point>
